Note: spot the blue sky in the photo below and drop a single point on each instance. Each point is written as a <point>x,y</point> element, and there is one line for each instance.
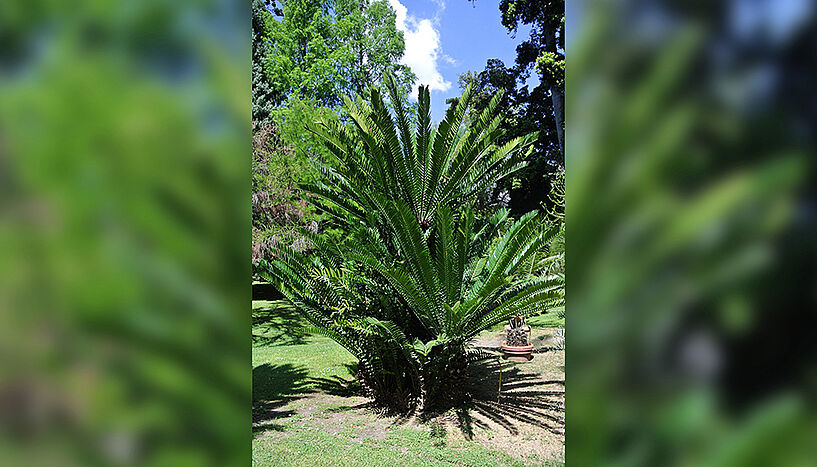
<point>445,38</point>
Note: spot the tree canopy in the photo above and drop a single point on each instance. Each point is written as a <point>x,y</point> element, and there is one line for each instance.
<point>329,48</point>
<point>525,110</point>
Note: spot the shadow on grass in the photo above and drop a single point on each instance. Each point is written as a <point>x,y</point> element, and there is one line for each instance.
<point>524,398</point>
<point>274,386</point>
<point>338,386</point>
<point>277,323</point>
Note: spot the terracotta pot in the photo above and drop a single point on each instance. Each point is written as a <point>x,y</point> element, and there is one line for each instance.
<point>521,353</point>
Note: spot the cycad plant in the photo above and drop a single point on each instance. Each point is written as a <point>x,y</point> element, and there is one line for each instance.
<point>418,275</point>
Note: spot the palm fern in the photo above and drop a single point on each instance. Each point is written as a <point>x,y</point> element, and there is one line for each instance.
<point>419,275</point>
<point>431,167</point>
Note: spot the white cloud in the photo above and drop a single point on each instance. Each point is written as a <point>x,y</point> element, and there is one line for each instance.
<point>450,60</point>
<point>422,48</point>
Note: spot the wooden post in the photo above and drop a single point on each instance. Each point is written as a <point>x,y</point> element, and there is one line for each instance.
<point>499,391</point>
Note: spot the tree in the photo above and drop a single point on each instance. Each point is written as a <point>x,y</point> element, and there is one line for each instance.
<point>277,208</point>
<point>544,50</point>
<point>304,59</point>
<point>325,49</point>
<point>485,84</point>
<point>418,275</point>
<point>543,106</point>
<point>368,32</point>
<point>263,96</point>
<point>523,112</point>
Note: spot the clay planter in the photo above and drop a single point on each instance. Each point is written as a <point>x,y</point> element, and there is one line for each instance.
<point>522,353</point>
<point>518,353</point>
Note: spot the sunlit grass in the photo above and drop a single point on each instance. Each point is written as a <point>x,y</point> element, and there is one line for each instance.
<point>287,367</point>
<point>402,446</point>
<point>546,320</point>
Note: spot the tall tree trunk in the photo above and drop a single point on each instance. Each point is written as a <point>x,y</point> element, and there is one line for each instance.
<point>558,98</point>
<point>557,95</point>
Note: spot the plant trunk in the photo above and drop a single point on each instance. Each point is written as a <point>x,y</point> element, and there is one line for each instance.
<point>445,382</point>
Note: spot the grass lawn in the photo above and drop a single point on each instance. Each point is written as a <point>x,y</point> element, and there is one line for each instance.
<point>307,410</point>
<point>547,320</point>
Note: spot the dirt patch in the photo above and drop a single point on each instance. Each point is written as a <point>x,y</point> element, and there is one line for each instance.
<point>336,415</point>
<point>524,419</point>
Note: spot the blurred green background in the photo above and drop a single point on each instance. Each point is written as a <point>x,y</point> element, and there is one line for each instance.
<point>692,233</point>
<point>124,232</point>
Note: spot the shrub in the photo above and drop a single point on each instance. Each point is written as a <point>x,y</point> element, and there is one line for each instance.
<point>277,207</point>
<point>418,275</point>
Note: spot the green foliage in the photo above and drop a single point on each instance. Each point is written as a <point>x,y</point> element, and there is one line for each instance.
<point>277,206</point>
<point>263,96</point>
<point>292,120</point>
<point>372,44</point>
<point>551,67</point>
<point>540,108</point>
<point>544,49</point>
<point>123,278</point>
<point>305,56</point>
<point>524,111</point>
<point>325,49</point>
<point>418,275</point>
